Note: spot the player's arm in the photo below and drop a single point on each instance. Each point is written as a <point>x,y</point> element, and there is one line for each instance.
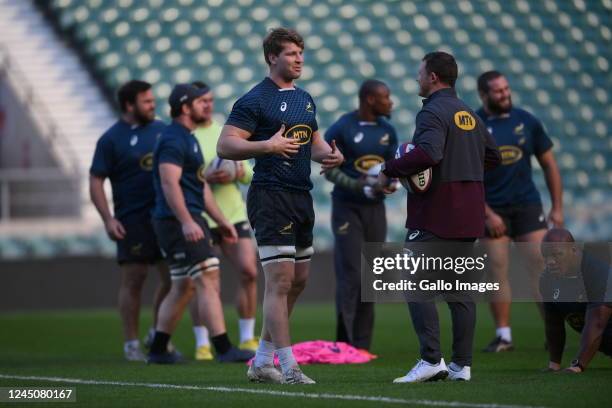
<point>170,175</point>
<point>555,336</point>
<point>492,157</point>
<point>113,227</point>
<point>429,140</point>
<point>553,181</point>
<point>327,154</point>
<point>596,320</point>
<point>233,144</point>
<point>494,223</point>
<point>211,207</point>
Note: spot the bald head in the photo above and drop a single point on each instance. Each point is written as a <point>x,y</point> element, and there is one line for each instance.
<point>558,235</point>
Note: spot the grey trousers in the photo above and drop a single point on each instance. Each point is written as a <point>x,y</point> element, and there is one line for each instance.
<point>353,224</point>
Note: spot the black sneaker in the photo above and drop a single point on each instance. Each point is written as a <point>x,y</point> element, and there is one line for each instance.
<point>497,345</point>
<point>235,355</point>
<point>164,358</point>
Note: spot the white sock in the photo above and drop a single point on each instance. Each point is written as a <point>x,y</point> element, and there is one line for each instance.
<point>201,335</point>
<point>505,333</point>
<point>131,344</point>
<point>286,359</point>
<point>265,353</point>
<point>247,329</point>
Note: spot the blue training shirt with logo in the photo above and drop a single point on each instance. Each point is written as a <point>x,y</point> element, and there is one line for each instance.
<point>124,155</point>
<point>518,135</point>
<point>261,112</point>
<point>364,145</point>
<point>178,145</point>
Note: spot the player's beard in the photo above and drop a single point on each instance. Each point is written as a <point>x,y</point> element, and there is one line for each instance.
<point>198,118</point>
<point>142,117</point>
<point>499,109</point>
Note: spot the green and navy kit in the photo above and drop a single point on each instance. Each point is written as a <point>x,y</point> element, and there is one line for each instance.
<point>261,112</point>
<point>178,145</point>
<point>519,135</point>
<point>124,154</point>
<point>364,145</point>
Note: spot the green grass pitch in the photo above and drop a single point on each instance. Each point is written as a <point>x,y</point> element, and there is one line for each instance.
<point>87,345</point>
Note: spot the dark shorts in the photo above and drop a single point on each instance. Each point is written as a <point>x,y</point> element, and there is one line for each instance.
<point>521,219</point>
<point>185,259</point>
<point>281,217</point>
<point>243,229</point>
<point>139,245</point>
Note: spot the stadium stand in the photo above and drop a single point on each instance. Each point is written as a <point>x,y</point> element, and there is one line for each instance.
<point>556,55</point>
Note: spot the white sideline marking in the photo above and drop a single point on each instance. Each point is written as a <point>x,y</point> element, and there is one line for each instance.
<point>348,397</point>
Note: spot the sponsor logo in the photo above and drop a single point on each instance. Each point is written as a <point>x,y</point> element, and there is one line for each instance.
<point>286,229</point>
<point>364,163</point>
<point>464,120</point>
<point>283,106</point>
<point>245,226</point>
<point>309,107</point>
<point>300,133</point>
<point>134,140</point>
<point>384,140</point>
<point>490,129</point>
<point>146,162</point>
<point>541,218</point>
<point>519,129</point>
<point>522,141</point>
<point>343,229</point>
<point>358,137</point>
<point>158,136</point>
<point>413,235</point>
<point>556,294</point>
<point>180,255</point>
<point>195,147</point>
<point>201,173</point>
<point>510,154</point>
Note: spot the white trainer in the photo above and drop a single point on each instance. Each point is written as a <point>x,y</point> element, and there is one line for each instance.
<point>296,376</point>
<point>424,371</point>
<point>133,353</point>
<point>265,374</point>
<point>458,373</point>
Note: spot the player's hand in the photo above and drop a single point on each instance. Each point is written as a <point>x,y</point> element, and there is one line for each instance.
<point>555,218</point>
<point>495,225</point>
<point>239,170</point>
<point>333,159</point>
<point>219,177</point>
<point>114,229</point>
<point>284,146</point>
<point>228,232</point>
<point>385,182</point>
<point>192,231</point>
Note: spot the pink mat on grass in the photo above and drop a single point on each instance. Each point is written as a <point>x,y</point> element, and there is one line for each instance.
<point>327,352</point>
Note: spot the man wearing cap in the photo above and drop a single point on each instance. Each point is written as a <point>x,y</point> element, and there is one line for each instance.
<point>181,195</point>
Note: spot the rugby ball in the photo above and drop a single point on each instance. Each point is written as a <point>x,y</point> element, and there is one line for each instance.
<point>419,182</point>
<point>222,164</point>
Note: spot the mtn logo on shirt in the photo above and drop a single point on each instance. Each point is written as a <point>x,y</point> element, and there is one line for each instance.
<point>364,163</point>
<point>146,162</point>
<point>510,154</point>
<point>464,120</point>
<point>300,133</point>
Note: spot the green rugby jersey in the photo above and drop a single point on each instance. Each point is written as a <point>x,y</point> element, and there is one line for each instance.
<point>228,196</point>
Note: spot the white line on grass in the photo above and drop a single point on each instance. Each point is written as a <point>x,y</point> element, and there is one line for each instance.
<point>346,397</point>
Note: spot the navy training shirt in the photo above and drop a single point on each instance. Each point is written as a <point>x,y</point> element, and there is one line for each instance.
<point>124,155</point>
<point>519,135</point>
<point>261,112</point>
<point>364,145</point>
<point>177,145</point>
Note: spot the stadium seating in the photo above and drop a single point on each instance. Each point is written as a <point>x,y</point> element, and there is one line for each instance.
<point>556,55</point>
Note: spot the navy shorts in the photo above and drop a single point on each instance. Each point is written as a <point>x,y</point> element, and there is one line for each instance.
<point>185,259</point>
<point>139,245</point>
<point>521,219</point>
<point>281,218</point>
<point>243,229</point>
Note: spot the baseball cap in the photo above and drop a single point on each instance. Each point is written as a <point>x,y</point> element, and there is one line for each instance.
<point>184,93</point>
